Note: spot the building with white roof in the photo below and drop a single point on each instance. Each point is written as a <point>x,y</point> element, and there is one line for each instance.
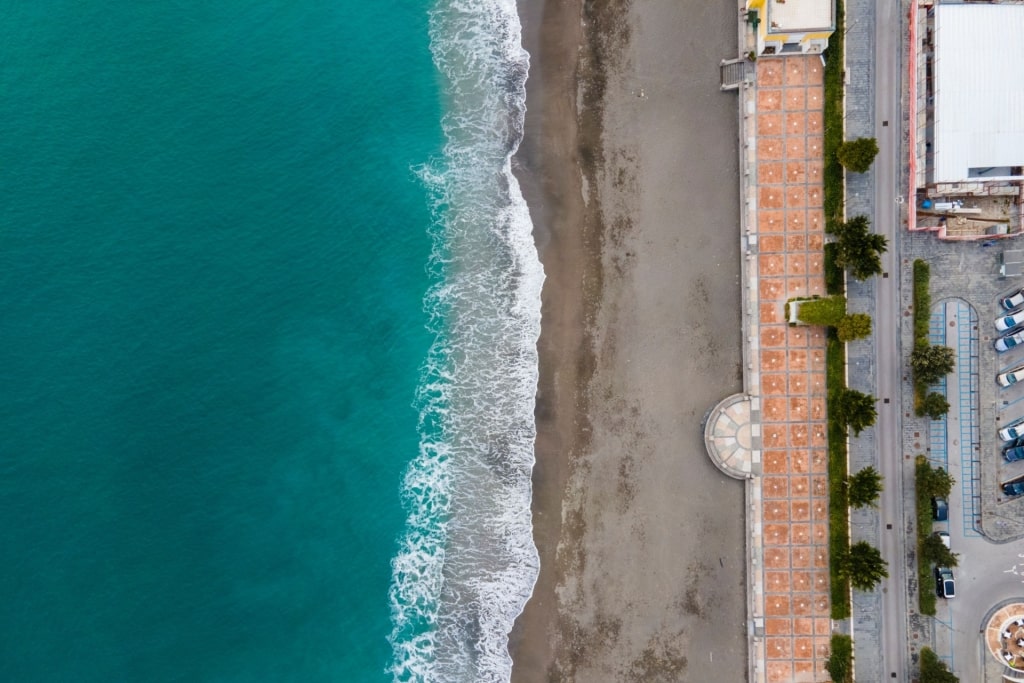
<point>791,26</point>
<point>977,126</point>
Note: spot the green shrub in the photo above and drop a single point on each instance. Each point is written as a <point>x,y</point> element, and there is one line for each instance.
<point>933,669</point>
<point>833,273</point>
<point>934,406</point>
<point>833,115</point>
<point>839,664</point>
<point>931,363</point>
<point>835,353</point>
<point>828,311</point>
<point>928,481</point>
<point>934,551</point>
<point>854,326</point>
<point>922,300</point>
<point>926,599</point>
<point>922,324</point>
<point>925,596</point>
<point>857,155</point>
<point>838,501</point>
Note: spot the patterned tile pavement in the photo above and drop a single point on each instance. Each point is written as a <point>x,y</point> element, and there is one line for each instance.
<point>794,596</point>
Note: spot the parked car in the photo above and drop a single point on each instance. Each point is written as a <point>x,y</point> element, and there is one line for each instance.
<point>1011,376</point>
<point>944,585</point>
<point>1013,301</point>
<point>1007,321</point>
<point>944,537</point>
<point>1013,453</point>
<point>940,509</point>
<point>1009,341</point>
<point>1013,430</point>
<point>1013,488</point>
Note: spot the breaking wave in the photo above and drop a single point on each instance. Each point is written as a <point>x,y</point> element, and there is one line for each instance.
<point>466,563</point>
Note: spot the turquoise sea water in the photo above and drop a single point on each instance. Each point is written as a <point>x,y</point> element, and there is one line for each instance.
<point>267,312</point>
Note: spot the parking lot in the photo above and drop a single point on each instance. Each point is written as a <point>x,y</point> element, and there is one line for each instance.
<point>985,527</point>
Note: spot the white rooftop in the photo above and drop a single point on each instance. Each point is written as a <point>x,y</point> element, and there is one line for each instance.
<point>799,15</point>
<point>979,92</point>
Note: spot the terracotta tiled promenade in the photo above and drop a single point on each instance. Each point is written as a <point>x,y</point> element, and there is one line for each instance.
<point>775,435</point>
<point>791,362</point>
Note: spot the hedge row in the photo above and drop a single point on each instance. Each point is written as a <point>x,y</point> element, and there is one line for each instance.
<point>838,500</point>
<point>922,301</point>
<point>833,171</point>
<point>922,321</point>
<point>835,351</point>
<point>925,595</point>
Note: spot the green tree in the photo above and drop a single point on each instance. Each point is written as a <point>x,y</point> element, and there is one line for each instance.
<point>935,551</point>
<point>932,363</point>
<point>934,406</point>
<point>864,487</point>
<point>864,566</point>
<point>859,250</point>
<point>932,481</point>
<point>933,669</point>
<point>839,664</point>
<point>854,409</point>
<point>854,326</point>
<point>857,155</point>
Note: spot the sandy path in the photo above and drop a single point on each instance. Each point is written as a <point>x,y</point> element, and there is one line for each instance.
<point>641,538</point>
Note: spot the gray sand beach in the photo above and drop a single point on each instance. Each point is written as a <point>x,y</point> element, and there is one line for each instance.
<point>630,168</point>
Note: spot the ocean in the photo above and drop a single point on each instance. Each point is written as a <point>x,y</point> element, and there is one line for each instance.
<point>269,304</point>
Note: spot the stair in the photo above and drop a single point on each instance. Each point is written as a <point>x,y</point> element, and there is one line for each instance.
<point>736,71</point>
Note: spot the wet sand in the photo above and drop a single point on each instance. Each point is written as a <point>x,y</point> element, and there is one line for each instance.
<point>630,168</point>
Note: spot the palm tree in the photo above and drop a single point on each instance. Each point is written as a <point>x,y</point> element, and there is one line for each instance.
<point>864,487</point>
<point>854,408</point>
<point>858,249</point>
<point>864,566</point>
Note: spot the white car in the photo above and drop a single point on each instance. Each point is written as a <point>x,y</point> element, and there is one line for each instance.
<point>1013,301</point>
<point>1007,321</point>
<point>1013,430</point>
<point>1009,341</point>
<point>1011,376</point>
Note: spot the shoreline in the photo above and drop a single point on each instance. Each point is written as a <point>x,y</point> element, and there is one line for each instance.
<point>547,168</point>
<point>632,192</point>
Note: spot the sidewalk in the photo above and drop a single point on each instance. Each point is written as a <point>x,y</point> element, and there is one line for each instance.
<point>781,129</point>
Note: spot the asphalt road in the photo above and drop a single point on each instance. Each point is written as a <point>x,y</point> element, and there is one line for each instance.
<point>887,335</point>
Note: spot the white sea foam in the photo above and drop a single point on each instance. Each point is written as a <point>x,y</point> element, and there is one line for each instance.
<point>467,563</point>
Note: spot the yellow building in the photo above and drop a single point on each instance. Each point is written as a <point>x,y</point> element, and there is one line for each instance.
<point>791,26</point>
